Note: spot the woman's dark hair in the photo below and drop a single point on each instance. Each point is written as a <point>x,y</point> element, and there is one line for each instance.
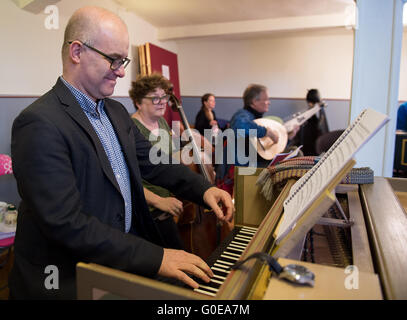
<point>205,98</point>
<point>313,96</point>
<point>145,84</point>
<point>251,93</point>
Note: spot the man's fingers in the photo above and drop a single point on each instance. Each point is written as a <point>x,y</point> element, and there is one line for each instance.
<point>195,271</point>
<point>194,266</point>
<point>177,264</point>
<point>186,279</point>
<point>199,263</point>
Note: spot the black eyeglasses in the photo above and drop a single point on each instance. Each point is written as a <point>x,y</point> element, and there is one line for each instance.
<point>115,63</point>
<point>158,100</point>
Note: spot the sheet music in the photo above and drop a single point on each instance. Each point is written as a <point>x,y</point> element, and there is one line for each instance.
<point>285,156</point>
<point>307,189</point>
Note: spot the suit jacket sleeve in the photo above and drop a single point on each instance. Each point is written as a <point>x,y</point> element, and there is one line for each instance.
<point>55,216</point>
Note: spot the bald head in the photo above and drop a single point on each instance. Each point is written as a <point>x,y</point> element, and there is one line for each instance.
<point>98,38</point>
<point>86,24</point>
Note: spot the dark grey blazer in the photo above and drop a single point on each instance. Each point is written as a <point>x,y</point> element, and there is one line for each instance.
<point>72,209</point>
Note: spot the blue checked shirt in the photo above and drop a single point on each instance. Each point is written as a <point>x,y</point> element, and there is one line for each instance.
<point>104,129</point>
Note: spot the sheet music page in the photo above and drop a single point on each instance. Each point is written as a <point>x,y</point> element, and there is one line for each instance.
<point>307,189</point>
<point>284,156</point>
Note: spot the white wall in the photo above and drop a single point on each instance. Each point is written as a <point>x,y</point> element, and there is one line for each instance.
<point>30,54</point>
<point>288,64</point>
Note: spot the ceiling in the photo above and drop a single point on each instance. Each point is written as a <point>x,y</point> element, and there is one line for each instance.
<point>175,13</point>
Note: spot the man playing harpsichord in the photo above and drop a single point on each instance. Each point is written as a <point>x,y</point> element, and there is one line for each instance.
<point>78,160</point>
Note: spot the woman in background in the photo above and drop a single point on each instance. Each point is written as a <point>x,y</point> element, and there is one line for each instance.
<point>206,118</point>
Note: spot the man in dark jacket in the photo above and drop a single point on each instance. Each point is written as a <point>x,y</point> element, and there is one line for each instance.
<point>78,160</point>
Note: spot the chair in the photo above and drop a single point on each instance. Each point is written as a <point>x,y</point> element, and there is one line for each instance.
<point>325,141</point>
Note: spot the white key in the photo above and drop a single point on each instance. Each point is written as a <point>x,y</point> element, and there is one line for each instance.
<point>205,292</point>
<point>221,266</point>
<point>224,262</point>
<point>244,237</point>
<point>232,254</point>
<point>229,257</point>
<point>234,247</point>
<point>249,228</point>
<point>247,232</point>
<point>219,277</point>
<point>221,270</point>
<point>209,288</point>
<point>238,244</point>
<point>216,281</point>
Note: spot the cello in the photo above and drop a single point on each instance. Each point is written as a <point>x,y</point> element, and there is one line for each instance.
<point>200,229</point>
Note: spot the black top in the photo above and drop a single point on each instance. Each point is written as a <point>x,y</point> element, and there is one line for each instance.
<point>201,122</point>
<point>257,115</point>
<point>307,136</point>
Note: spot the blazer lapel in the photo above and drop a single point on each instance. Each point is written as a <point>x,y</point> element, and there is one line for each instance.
<point>73,108</point>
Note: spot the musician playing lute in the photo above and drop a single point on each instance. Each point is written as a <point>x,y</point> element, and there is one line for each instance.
<point>256,103</point>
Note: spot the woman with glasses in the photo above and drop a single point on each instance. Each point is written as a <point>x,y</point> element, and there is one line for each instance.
<point>149,95</point>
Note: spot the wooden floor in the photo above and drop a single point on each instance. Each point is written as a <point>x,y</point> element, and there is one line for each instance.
<point>4,272</point>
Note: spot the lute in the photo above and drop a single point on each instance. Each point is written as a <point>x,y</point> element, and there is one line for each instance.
<point>266,147</point>
<point>300,118</point>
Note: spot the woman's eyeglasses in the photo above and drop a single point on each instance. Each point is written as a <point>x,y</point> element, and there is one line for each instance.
<point>159,100</point>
